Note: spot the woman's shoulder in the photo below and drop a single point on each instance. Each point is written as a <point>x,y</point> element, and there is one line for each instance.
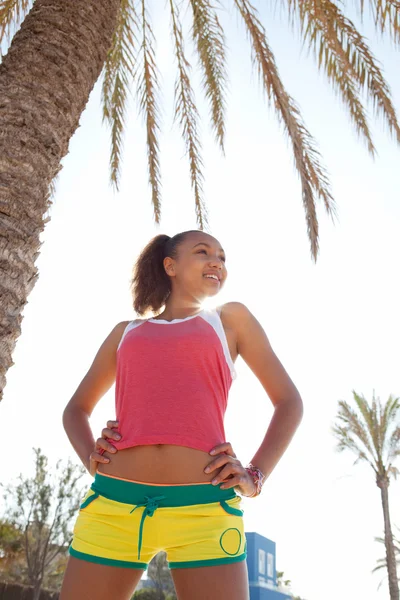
<point>122,328</point>
<point>122,325</point>
<point>234,314</point>
<point>234,309</point>
<point>135,321</point>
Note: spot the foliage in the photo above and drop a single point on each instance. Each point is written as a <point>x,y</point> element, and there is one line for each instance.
<point>40,510</point>
<point>11,538</point>
<point>12,551</point>
<point>148,594</point>
<point>372,433</point>
<point>280,580</point>
<point>286,583</point>
<point>339,49</point>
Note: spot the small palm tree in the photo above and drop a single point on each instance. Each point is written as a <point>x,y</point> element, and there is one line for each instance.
<point>381,562</point>
<point>373,434</point>
<point>281,581</point>
<point>62,47</point>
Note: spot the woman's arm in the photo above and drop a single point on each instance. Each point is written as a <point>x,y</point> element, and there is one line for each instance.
<point>97,381</point>
<point>255,349</point>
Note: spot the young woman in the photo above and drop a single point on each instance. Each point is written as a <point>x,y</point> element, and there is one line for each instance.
<point>165,488</point>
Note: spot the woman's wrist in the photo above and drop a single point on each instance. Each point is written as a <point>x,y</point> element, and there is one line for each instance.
<point>258,478</point>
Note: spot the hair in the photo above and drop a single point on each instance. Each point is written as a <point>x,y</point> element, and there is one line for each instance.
<point>150,284</point>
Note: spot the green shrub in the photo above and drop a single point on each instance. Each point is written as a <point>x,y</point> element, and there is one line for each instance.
<point>148,594</point>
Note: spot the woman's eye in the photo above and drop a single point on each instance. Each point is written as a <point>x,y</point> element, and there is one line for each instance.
<point>205,252</point>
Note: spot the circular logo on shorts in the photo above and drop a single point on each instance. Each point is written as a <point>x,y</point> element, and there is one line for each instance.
<point>230,541</point>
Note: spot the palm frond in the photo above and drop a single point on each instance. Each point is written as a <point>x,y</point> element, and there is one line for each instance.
<point>372,426</point>
<point>347,60</point>
<point>393,443</point>
<point>352,427</point>
<point>390,431</point>
<point>318,27</point>
<point>209,38</point>
<point>396,544</point>
<point>348,93</point>
<point>380,564</point>
<point>187,113</point>
<point>372,429</point>
<point>377,419</point>
<point>389,414</point>
<point>148,89</point>
<point>312,175</point>
<point>386,14</point>
<point>12,12</point>
<point>347,442</point>
<point>365,67</point>
<point>119,64</point>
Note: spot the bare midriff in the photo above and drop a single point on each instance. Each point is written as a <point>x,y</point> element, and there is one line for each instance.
<point>160,463</point>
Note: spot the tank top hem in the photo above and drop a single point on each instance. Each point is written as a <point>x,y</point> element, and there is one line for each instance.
<point>175,440</point>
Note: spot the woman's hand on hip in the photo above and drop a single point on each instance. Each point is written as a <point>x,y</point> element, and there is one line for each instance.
<point>103,445</point>
<point>233,474</point>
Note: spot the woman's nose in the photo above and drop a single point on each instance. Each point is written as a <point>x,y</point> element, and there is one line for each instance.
<point>218,262</point>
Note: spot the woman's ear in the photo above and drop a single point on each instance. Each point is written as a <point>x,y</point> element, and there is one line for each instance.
<point>169,266</point>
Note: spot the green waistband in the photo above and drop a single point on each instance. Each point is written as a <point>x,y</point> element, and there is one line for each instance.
<point>130,492</point>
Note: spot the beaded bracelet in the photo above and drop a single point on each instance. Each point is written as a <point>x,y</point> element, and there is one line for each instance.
<point>258,478</point>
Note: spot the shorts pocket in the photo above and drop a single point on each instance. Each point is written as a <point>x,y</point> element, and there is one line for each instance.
<point>88,499</point>
<point>231,510</point>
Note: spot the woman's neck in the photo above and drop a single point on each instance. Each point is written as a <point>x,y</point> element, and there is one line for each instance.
<point>174,311</point>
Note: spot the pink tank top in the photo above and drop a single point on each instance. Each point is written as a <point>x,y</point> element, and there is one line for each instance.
<point>172,382</point>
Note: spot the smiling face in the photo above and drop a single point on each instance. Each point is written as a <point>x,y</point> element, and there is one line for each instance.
<point>199,267</point>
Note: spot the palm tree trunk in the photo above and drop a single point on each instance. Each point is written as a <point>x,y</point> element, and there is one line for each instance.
<point>46,77</point>
<point>383,484</point>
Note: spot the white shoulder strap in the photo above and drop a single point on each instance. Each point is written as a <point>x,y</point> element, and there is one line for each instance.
<point>214,319</point>
<point>131,325</point>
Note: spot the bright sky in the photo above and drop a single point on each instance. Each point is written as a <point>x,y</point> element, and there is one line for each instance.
<point>335,325</point>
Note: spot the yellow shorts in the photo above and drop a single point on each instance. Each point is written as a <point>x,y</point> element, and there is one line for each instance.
<point>196,525</point>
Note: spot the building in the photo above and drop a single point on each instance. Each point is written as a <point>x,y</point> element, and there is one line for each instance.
<point>261,566</point>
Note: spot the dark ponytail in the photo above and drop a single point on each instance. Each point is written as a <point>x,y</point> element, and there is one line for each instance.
<point>150,284</point>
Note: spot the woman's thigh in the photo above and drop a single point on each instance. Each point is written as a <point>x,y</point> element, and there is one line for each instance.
<point>88,581</point>
<point>219,582</point>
